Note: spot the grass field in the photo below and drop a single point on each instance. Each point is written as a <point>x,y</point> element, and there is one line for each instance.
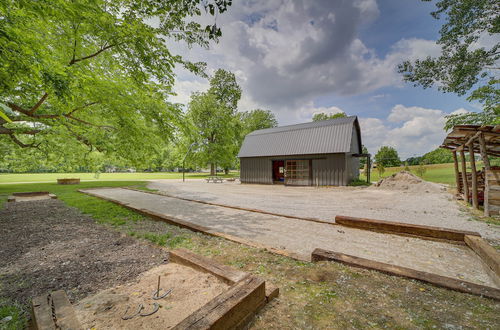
<point>312,295</point>
<point>440,173</point>
<point>138,176</point>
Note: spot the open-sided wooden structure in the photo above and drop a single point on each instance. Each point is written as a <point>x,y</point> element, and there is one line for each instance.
<point>477,186</point>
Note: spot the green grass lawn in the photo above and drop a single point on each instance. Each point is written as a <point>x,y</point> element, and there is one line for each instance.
<point>440,173</point>
<point>138,176</point>
<point>102,211</point>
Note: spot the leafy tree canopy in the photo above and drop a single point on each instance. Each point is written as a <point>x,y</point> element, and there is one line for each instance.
<point>211,116</point>
<point>255,120</point>
<point>94,73</point>
<point>465,64</point>
<point>324,116</point>
<point>438,156</point>
<point>387,156</point>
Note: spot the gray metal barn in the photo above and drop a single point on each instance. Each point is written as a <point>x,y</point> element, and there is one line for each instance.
<point>324,153</point>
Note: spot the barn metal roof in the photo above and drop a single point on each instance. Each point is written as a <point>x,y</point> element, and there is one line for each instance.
<point>319,137</point>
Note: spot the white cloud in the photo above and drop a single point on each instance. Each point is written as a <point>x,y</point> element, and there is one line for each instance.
<point>413,130</point>
<point>286,53</point>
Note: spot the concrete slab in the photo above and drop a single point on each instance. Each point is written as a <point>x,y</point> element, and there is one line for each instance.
<point>302,237</point>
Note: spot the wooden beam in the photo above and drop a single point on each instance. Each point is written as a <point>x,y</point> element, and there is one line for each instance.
<point>229,310</point>
<point>488,253</point>
<point>438,280</point>
<point>464,176</point>
<point>475,202</point>
<point>404,228</point>
<point>457,172</point>
<point>487,167</point>
<point>188,258</point>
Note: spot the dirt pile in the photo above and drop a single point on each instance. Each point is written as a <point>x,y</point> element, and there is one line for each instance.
<point>407,181</point>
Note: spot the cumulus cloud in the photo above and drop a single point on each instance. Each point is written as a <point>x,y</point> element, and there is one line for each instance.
<point>286,53</point>
<point>413,130</point>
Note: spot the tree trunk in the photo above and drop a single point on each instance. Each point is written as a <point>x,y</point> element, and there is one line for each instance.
<point>226,171</point>
<point>212,169</point>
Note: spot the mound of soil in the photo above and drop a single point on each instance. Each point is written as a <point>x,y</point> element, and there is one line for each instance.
<point>407,181</point>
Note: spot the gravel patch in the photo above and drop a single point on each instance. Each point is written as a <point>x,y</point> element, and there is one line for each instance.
<point>423,208</point>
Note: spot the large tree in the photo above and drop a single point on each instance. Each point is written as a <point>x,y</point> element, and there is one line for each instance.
<point>94,72</point>
<point>213,126</point>
<point>387,156</point>
<point>254,120</point>
<point>468,63</point>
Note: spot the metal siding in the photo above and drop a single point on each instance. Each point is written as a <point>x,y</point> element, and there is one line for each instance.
<point>323,137</point>
<point>256,170</point>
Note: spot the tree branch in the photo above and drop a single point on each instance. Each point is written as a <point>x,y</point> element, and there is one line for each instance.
<point>21,144</point>
<point>39,103</point>
<point>73,61</point>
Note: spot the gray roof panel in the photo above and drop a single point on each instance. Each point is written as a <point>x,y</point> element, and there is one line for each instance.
<point>321,137</point>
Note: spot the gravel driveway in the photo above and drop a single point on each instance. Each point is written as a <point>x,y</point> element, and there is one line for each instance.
<point>424,208</point>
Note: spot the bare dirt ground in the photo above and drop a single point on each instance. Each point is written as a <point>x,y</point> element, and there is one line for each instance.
<point>432,207</point>
<point>301,237</point>
<point>47,246</point>
<point>191,290</point>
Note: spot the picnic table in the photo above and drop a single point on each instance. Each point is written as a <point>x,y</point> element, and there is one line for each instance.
<point>214,179</point>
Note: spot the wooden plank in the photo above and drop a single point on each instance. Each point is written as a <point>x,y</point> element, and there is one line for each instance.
<point>226,273</point>
<point>271,292</point>
<point>41,309</point>
<point>229,310</point>
<point>438,280</point>
<point>493,175</point>
<point>475,202</point>
<point>403,228</point>
<point>464,177</point>
<point>64,313</point>
<point>488,254</point>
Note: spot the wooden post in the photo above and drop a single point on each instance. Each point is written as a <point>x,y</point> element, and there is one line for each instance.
<point>368,168</point>
<point>475,203</point>
<point>486,167</point>
<point>457,172</point>
<point>464,176</point>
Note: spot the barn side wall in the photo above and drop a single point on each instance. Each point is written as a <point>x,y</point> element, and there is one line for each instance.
<point>352,163</point>
<point>327,169</point>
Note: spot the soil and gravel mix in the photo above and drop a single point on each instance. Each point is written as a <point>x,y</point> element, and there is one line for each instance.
<point>47,246</point>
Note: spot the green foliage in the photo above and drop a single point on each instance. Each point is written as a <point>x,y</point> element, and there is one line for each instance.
<point>212,119</point>
<point>256,119</point>
<point>438,156</point>
<point>362,160</point>
<point>420,170</point>
<point>93,75</point>
<point>359,182</point>
<point>380,169</point>
<point>324,116</point>
<point>387,156</point>
<point>464,64</point>
<point>414,161</point>
<point>407,167</point>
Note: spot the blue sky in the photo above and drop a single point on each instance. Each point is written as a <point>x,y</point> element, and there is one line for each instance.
<point>297,58</point>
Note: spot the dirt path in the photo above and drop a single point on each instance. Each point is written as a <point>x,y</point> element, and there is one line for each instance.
<point>302,237</point>
<point>432,208</point>
<point>47,246</point>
